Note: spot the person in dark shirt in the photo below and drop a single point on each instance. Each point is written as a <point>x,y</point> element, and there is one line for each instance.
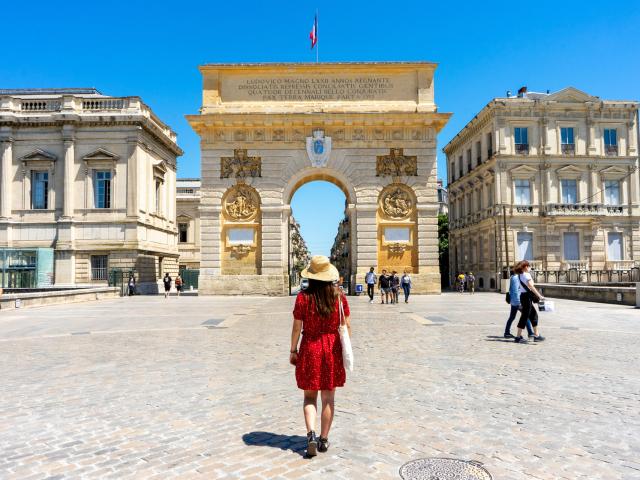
<point>385,286</point>
<point>167,285</point>
<point>395,286</point>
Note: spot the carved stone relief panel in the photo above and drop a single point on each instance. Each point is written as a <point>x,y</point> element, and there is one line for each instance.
<point>396,202</point>
<point>240,165</point>
<point>241,202</point>
<point>396,164</point>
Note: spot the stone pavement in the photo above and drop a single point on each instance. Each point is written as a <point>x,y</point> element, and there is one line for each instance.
<point>200,387</point>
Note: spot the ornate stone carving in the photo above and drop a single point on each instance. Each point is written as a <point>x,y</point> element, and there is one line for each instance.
<point>241,250</point>
<point>396,202</point>
<point>278,135</point>
<point>397,248</point>
<point>396,164</point>
<point>240,165</point>
<point>241,202</point>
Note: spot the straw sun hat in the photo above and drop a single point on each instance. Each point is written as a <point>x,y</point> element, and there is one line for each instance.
<point>321,269</point>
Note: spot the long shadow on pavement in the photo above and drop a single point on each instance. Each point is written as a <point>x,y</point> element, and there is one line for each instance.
<point>295,443</point>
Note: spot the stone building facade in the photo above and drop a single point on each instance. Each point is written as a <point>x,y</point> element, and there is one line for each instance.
<point>551,178</point>
<point>188,222</point>
<point>340,255</point>
<point>267,129</point>
<point>91,177</point>
<point>299,255</point>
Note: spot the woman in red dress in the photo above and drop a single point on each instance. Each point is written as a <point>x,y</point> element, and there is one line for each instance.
<point>319,360</point>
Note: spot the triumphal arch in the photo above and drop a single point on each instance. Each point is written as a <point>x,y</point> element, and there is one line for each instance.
<point>267,129</point>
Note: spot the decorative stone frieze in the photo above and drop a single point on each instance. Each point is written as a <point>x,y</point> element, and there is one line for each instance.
<point>396,164</point>
<point>240,165</point>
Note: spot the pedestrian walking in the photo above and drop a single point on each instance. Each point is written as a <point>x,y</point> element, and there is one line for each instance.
<point>318,361</point>
<point>529,295</point>
<point>514,303</point>
<point>385,287</point>
<point>470,281</point>
<point>395,286</point>
<point>461,278</point>
<point>371,279</point>
<point>132,285</point>
<point>167,284</point>
<point>178,283</point>
<point>405,282</point>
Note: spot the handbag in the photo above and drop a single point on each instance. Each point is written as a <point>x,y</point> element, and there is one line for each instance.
<point>507,298</point>
<point>345,340</point>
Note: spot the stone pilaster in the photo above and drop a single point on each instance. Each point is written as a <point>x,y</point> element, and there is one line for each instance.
<point>69,169</point>
<point>272,244</point>
<point>366,231</point>
<point>6,152</point>
<point>132,178</point>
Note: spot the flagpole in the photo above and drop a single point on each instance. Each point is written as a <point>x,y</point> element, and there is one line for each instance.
<point>317,41</point>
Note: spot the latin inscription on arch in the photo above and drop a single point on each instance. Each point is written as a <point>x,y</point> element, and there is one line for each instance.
<point>319,87</point>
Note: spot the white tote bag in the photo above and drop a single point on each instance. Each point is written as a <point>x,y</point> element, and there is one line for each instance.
<point>345,340</point>
<point>547,306</point>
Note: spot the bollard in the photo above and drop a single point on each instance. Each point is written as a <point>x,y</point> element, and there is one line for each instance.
<point>638,295</point>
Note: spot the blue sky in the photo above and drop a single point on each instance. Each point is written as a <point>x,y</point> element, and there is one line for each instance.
<point>152,49</point>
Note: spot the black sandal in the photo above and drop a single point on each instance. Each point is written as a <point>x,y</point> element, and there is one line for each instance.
<point>323,444</point>
<point>312,444</point>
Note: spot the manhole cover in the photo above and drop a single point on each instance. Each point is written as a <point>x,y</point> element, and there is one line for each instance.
<point>443,469</point>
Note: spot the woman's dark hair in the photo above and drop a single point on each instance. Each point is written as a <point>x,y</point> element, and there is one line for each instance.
<point>324,295</point>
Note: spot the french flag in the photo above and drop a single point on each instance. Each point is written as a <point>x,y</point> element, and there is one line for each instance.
<point>314,32</point>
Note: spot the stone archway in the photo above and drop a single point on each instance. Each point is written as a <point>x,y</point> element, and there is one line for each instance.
<point>270,128</point>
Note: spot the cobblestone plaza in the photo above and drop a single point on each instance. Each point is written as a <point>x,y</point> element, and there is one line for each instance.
<point>200,387</point>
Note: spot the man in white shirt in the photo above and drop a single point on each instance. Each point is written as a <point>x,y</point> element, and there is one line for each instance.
<point>371,279</point>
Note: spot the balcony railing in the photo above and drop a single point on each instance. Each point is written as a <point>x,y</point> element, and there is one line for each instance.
<point>620,264</point>
<point>575,265</point>
<point>83,105</point>
<point>568,148</point>
<point>611,150</point>
<point>40,105</point>
<point>522,148</point>
<point>578,209</point>
<point>105,104</point>
<point>523,209</point>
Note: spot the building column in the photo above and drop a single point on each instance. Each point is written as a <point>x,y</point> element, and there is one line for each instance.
<point>365,232</point>
<point>68,184</point>
<point>591,135</point>
<point>352,215</point>
<point>132,178</point>
<point>593,185</point>
<point>6,150</point>
<point>632,141</point>
<point>498,185</point>
<point>273,262</point>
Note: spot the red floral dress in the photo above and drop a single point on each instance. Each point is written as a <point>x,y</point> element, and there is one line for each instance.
<point>319,364</point>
